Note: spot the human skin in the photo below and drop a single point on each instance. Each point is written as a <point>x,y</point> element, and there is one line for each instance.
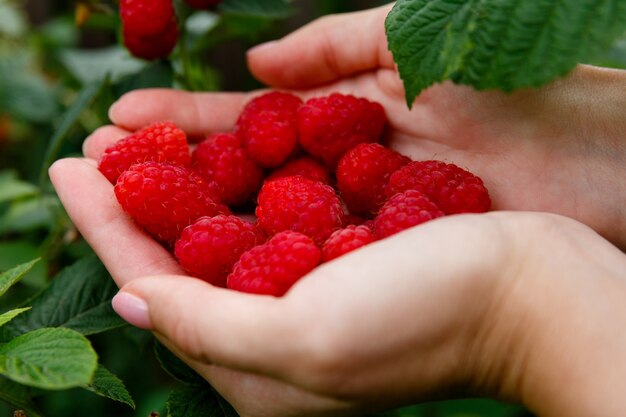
<point>520,306</point>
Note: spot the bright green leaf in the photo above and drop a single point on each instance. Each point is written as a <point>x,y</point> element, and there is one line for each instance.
<point>49,358</point>
<point>20,251</point>
<point>93,65</point>
<point>12,276</point>
<point>30,214</point>
<point>10,315</point>
<point>503,44</point>
<point>192,401</point>
<point>273,9</point>
<point>12,188</point>
<point>110,386</point>
<point>177,368</point>
<point>78,298</point>
<point>17,396</point>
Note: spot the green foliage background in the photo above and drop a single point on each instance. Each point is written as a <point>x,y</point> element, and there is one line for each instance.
<point>57,81</point>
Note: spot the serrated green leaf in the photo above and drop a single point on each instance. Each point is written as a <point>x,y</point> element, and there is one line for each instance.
<point>272,9</point>
<point>503,44</point>
<point>12,188</point>
<point>12,276</point>
<point>49,358</point>
<point>177,368</point>
<point>78,298</point>
<point>193,401</point>
<point>10,315</point>
<point>17,396</point>
<point>110,386</point>
<point>87,95</point>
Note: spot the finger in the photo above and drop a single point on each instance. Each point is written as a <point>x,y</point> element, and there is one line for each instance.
<point>212,325</point>
<point>125,249</point>
<point>325,50</point>
<point>197,114</point>
<point>103,137</point>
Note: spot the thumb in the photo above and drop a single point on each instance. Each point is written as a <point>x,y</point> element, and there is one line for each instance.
<point>323,51</point>
<point>209,324</point>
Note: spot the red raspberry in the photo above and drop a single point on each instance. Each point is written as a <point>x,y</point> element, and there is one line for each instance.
<point>306,167</point>
<point>146,18</point>
<point>203,4</point>
<point>331,126</point>
<point>221,158</point>
<point>210,247</point>
<point>403,211</point>
<point>165,198</point>
<point>346,240</point>
<point>268,128</point>
<point>151,47</point>
<point>160,142</point>
<point>272,268</point>
<point>301,205</point>
<point>453,189</point>
<point>363,173</point>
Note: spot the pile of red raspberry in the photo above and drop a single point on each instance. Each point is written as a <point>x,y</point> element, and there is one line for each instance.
<point>313,173</point>
<point>150,27</point>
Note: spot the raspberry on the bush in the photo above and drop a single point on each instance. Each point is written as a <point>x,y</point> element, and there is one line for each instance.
<point>363,173</point>
<point>147,17</point>
<point>159,142</point>
<point>403,211</point>
<point>452,188</point>
<point>165,198</point>
<point>203,4</point>
<point>222,159</point>
<point>209,248</point>
<point>330,126</point>
<point>346,240</point>
<point>273,267</point>
<point>268,128</point>
<point>301,205</point>
<point>152,47</point>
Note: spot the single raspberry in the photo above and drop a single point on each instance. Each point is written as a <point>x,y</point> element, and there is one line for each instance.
<point>147,18</point>
<point>403,211</point>
<point>273,268</point>
<point>165,198</point>
<point>306,167</point>
<point>453,189</point>
<point>346,240</point>
<point>268,128</point>
<point>151,47</point>
<point>159,142</point>
<point>221,158</point>
<point>363,173</point>
<point>210,247</point>
<point>331,126</point>
<point>301,205</point>
<point>203,4</point>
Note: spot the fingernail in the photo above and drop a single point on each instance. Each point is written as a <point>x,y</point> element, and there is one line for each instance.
<point>262,47</point>
<point>132,309</point>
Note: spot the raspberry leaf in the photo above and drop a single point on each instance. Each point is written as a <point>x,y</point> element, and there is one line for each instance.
<point>177,368</point>
<point>271,9</point>
<point>192,401</point>
<point>498,44</point>
<point>18,396</point>
<point>12,276</point>
<point>110,386</point>
<point>10,315</point>
<point>49,358</point>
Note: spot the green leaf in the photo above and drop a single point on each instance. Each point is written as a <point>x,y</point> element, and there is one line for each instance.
<point>271,9</point>
<point>109,386</point>
<point>21,251</point>
<point>18,396</point>
<point>78,298</point>
<point>11,188</point>
<point>157,74</point>
<point>49,358</point>
<point>92,66</point>
<point>10,315</point>
<point>12,276</point>
<point>503,44</point>
<point>88,94</point>
<point>30,214</point>
<point>194,401</point>
<point>177,368</point>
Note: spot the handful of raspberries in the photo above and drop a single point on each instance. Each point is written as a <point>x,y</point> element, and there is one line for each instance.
<point>322,185</point>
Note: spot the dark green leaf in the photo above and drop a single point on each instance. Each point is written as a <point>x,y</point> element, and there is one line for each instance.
<point>18,396</point>
<point>78,298</point>
<point>30,214</point>
<point>12,276</point>
<point>88,94</point>
<point>10,315</point>
<point>49,359</point>
<point>192,401</point>
<point>274,9</point>
<point>11,188</point>
<point>503,44</point>
<point>177,368</point>
<point>109,386</point>
<point>157,74</point>
<point>21,251</point>
<point>91,66</point>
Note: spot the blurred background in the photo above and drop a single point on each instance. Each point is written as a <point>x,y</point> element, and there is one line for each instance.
<point>61,66</point>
